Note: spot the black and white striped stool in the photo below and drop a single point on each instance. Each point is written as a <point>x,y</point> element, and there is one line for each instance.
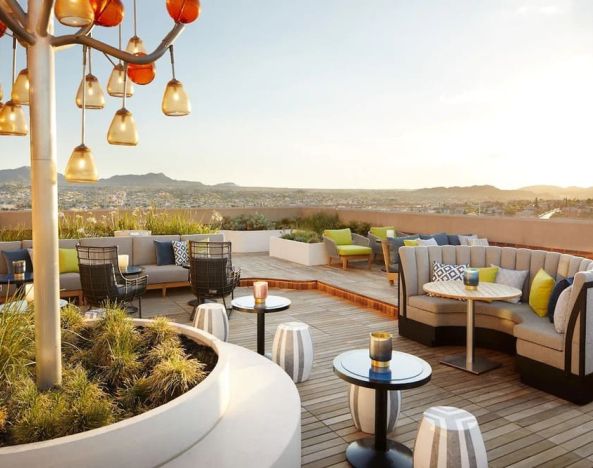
<point>212,318</point>
<point>293,350</point>
<point>362,408</point>
<point>449,437</point>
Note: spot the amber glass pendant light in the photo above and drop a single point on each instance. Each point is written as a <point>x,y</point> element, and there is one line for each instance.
<point>117,80</point>
<point>90,86</point>
<point>135,44</point>
<point>175,100</point>
<point>122,130</point>
<point>20,89</point>
<point>81,165</point>
<point>12,116</point>
<point>184,11</point>
<point>75,13</point>
<point>108,13</point>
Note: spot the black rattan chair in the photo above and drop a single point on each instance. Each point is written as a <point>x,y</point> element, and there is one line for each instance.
<point>101,280</point>
<point>211,271</point>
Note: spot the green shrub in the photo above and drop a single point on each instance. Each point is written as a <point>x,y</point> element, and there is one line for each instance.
<point>248,222</point>
<point>72,325</point>
<point>308,237</point>
<point>158,332</point>
<point>358,227</point>
<point>133,396</point>
<point>17,342</point>
<point>164,351</point>
<point>319,222</point>
<point>173,377</point>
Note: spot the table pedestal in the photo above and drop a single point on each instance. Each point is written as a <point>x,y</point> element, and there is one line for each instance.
<point>261,329</point>
<point>468,361</point>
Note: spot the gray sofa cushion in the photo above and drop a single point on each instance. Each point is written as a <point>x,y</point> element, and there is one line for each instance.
<point>214,237</point>
<point>8,246</point>
<point>437,305</point>
<point>143,249</point>
<point>70,281</point>
<point>540,332</point>
<point>165,274</point>
<point>124,244</point>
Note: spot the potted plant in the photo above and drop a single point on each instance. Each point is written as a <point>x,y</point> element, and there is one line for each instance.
<point>249,232</point>
<point>304,247</point>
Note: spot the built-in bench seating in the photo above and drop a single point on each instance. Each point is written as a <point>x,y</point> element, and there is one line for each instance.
<point>558,363</point>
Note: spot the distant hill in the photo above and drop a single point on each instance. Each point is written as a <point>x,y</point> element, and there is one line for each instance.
<point>552,191</point>
<point>20,175</point>
<point>474,192</point>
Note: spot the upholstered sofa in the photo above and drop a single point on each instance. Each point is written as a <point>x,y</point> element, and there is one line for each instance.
<point>558,363</point>
<point>141,252</point>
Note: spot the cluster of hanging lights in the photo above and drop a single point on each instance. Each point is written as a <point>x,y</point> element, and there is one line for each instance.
<point>122,131</point>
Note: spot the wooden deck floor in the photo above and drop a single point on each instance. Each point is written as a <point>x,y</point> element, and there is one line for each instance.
<point>521,426</point>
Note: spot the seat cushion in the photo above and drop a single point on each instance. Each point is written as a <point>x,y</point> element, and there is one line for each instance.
<point>437,305</point>
<point>540,332</point>
<point>516,312</point>
<point>354,250</point>
<point>165,274</point>
<point>70,281</point>
<point>339,236</point>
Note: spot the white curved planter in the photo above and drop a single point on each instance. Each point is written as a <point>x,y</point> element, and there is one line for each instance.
<point>250,241</point>
<point>299,252</point>
<point>149,439</point>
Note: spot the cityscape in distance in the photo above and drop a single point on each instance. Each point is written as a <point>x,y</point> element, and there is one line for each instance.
<point>157,190</point>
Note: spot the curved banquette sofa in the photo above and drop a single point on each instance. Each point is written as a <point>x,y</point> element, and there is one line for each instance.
<point>558,363</point>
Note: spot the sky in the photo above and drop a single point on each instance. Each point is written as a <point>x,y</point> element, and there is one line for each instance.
<point>350,94</point>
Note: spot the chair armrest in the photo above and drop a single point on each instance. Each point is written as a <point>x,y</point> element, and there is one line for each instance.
<point>386,254</point>
<point>331,247</point>
<point>375,243</point>
<point>357,239</point>
<point>139,281</point>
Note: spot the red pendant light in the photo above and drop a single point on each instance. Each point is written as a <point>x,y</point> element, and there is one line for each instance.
<point>2,28</point>
<point>141,74</point>
<point>108,13</point>
<point>184,11</point>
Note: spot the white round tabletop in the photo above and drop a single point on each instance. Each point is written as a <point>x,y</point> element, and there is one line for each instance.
<point>485,291</point>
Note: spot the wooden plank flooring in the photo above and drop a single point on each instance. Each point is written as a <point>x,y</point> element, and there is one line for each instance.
<point>521,426</point>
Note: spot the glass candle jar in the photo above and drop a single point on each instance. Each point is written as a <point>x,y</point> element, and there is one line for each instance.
<point>260,291</point>
<point>19,267</point>
<point>123,262</point>
<point>471,278</point>
<point>380,348</point>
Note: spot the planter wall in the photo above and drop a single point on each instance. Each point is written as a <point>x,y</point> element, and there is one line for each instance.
<point>298,252</point>
<point>251,241</point>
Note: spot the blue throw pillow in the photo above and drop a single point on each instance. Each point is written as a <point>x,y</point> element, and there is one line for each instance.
<point>560,286</point>
<point>453,239</point>
<point>394,244</point>
<point>441,238</point>
<point>19,254</point>
<point>164,253</point>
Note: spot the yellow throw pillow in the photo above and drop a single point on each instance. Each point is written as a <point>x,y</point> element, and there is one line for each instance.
<point>411,242</point>
<point>488,274</point>
<point>541,291</point>
<point>68,261</point>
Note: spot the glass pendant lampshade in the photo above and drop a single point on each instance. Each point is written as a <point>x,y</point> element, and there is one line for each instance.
<point>13,120</point>
<point>2,28</point>
<point>81,166</point>
<point>122,130</point>
<point>142,74</point>
<point>175,100</point>
<point>117,83</point>
<point>94,94</point>
<point>108,13</point>
<point>20,88</point>
<point>135,46</point>
<point>75,13</point>
<point>1,94</point>
<point>183,11</point>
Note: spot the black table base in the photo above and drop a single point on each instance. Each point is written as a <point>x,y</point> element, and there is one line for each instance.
<point>362,453</point>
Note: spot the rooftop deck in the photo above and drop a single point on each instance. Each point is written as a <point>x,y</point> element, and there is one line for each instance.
<point>521,426</point>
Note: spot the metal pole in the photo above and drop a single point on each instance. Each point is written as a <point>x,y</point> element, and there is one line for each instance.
<point>380,419</point>
<point>260,310</point>
<point>470,347</point>
<point>44,195</point>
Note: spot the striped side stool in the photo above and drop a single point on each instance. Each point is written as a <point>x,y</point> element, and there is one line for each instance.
<point>211,317</point>
<point>362,408</point>
<point>449,437</point>
<point>293,350</point>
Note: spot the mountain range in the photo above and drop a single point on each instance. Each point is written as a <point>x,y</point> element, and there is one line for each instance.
<point>151,180</point>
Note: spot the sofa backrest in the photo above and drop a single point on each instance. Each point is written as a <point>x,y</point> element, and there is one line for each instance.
<point>8,246</point>
<point>124,244</point>
<point>416,262</point>
<point>143,249</point>
<point>202,237</point>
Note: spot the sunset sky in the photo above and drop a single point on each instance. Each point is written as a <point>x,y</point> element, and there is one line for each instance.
<point>351,94</point>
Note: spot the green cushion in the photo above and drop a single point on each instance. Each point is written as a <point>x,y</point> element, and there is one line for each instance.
<point>339,236</point>
<point>411,242</point>
<point>68,261</point>
<point>541,291</point>
<point>354,250</point>
<point>381,232</point>
<point>488,274</point>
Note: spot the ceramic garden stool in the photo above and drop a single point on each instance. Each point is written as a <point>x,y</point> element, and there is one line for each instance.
<point>362,408</point>
<point>212,318</point>
<point>449,437</point>
<point>293,350</point>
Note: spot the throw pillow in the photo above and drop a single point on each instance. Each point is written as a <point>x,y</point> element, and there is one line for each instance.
<point>427,242</point>
<point>453,239</point>
<point>541,291</point>
<point>181,252</point>
<point>164,252</point>
<point>339,236</point>
<point>488,274</point>
<point>411,242</point>
<point>561,311</point>
<point>465,240</point>
<point>394,244</point>
<point>558,289</point>
<point>14,255</point>
<point>445,272</point>
<point>381,231</point>
<point>68,260</point>
<point>512,278</point>
<point>441,238</point>
<point>479,242</point>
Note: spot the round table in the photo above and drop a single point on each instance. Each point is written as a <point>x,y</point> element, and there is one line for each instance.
<point>131,270</point>
<point>272,304</point>
<point>485,292</point>
<point>405,371</point>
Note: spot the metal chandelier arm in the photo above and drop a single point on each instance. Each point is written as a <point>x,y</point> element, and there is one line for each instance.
<point>46,9</point>
<point>11,22</point>
<point>121,54</point>
<point>17,11</point>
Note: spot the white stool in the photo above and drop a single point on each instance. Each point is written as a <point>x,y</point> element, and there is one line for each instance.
<point>212,318</point>
<point>293,350</point>
<point>362,408</point>
<point>449,437</point>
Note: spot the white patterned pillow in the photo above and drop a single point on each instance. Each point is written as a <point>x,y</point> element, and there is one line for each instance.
<point>561,312</point>
<point>512,278</point>
<point>181,252</point>
<point>427,242</point>
<point>465,240</point>
<point>444,272</point>
<point>479,242</point>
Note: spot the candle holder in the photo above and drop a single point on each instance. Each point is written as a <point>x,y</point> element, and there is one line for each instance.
<point>19,267</point>
<point>260,292</point>
<point>471,278</point>
<point>380,349</point>
<point>123,262</point>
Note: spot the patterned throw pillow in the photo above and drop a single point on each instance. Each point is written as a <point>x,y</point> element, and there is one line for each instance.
<point>427,242</point>
<point>513,278</point>
<point>444,272</point>
<point>465,240</point>
<point>181,253</point>
<point>479,242</point>
<point>561,311</point>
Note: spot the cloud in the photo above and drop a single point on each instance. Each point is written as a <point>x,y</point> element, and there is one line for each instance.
<point>471,96</point>
<point>542,9</point>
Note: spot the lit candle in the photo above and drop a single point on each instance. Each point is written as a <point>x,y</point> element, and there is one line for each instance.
<point>260,291</point>
<point>390,233</point>
<point>471,278</point>
<point>380,349</point>
<point>123,261</point>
